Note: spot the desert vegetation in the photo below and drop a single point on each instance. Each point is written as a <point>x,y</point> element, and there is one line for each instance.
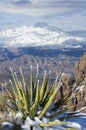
<point>36,102</point>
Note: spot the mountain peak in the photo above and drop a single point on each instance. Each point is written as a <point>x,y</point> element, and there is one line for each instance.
<point>40,34</point>
<point>42,25</point>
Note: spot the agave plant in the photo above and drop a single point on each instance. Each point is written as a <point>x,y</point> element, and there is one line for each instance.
<point>37,100</point>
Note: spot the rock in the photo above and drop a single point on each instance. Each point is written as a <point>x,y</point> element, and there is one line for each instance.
<point>80,69</point>
<point>67,80</point>
<point>66,84</point>
<point>80,76</point>
<point>78,86</point>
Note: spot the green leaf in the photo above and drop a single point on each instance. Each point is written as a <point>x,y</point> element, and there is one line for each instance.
<point>50,101</point>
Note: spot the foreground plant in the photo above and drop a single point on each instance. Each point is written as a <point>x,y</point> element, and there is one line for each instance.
<point>38,100</point>
<point>2,102</point>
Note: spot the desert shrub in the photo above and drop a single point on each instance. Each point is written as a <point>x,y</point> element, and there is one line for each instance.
<point>39,99</point>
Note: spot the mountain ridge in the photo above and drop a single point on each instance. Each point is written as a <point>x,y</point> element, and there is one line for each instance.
<point>15,52</point>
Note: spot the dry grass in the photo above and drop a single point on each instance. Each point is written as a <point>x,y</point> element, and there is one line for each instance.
<point>3,113</point>
<point>2,102</point>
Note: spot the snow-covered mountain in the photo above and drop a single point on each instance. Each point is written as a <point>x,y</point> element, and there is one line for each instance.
<point>38,35</point>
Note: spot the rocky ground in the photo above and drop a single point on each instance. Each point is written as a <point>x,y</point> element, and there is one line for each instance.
<point>78,85</point>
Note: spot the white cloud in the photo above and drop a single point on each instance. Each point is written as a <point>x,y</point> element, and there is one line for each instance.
<point>66,14</point>
<point>42,7</point>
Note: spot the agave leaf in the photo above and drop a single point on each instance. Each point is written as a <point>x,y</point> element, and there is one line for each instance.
<point>46,87</point>
<point>19,101</point>
<point>8,92</point>
<point>18,96</point>
<point>70,98</point>
<point>62,101</point>
<point>17,85</point>
<point>26,98</point>
<point>37,92</point>
<point>12,109</point>
<point>68,117</point>
<point>34,84</point>
<point>31,85</point>
<point>14,91</point>
<point>31,89</point>
<point>10,95</point>
<point>45,93</point>
<point>52,123</point>
<point>51,90</point>
<point>46,107</point>
<point>42,90</point>
<point>34,89</point>
<point>33,110</point>
<point>24,89</point>
<point>36,78</point>
<point>59,112</point>
<point>20,106</point>
<point>49,93</point>
<point>26,101</point>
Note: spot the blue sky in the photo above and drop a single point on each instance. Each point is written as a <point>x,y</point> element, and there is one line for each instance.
<point>67,15</point>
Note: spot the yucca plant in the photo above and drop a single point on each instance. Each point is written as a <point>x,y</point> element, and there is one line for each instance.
<point>35,100</point>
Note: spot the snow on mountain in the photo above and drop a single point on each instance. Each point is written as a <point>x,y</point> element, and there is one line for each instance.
<point>37,35</point>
